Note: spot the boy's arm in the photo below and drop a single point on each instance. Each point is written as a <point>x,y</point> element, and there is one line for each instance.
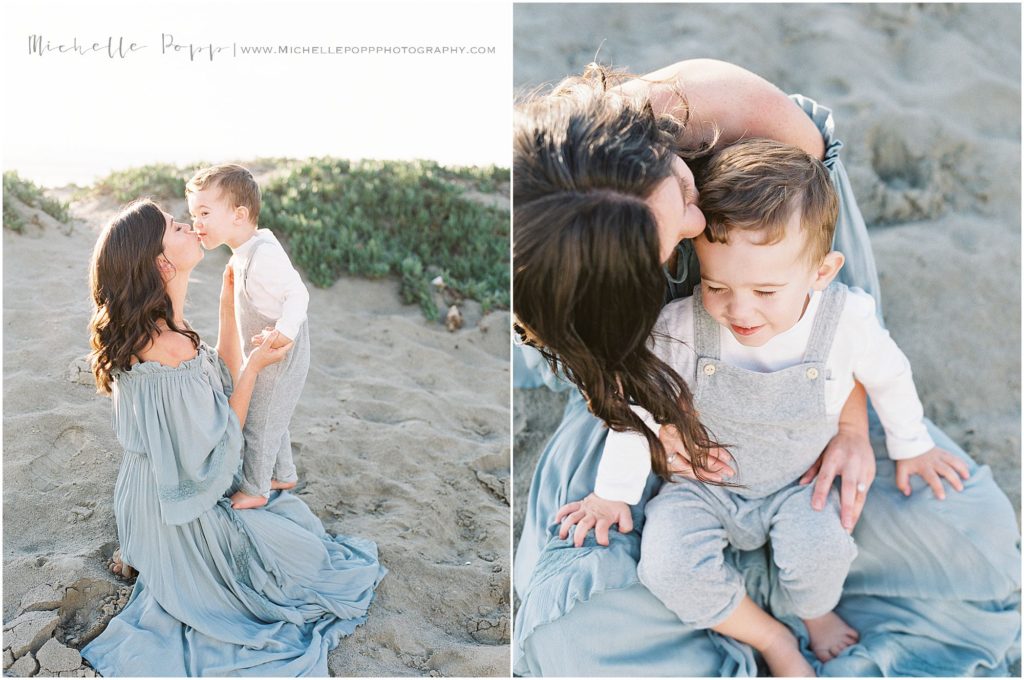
<point>885,372</point>
<point>624,467</point>
<point>272,271</point>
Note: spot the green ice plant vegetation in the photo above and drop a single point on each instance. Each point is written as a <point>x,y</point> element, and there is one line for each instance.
<point>415,220</point>
<point>159,181</point>
<point>31,195</point>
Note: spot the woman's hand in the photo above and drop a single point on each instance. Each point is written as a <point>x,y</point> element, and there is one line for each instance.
<point>593,512</point>
<point>848,455</point>
<point>932,466</point>
<point>266,354</point>
<point>679,461</point>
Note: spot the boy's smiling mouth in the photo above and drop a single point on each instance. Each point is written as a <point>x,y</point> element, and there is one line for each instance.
<point>745,330</point>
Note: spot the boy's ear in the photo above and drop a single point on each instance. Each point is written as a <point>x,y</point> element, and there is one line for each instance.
<point>828,269</point>
<point>241,214</point>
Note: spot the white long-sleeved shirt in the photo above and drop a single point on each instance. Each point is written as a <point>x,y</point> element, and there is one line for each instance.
<point>273,285</point>
<point>862,350</point>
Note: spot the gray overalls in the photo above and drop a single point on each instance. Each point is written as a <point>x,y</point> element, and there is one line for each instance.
<point>776,426</point>
<point>268,446</point>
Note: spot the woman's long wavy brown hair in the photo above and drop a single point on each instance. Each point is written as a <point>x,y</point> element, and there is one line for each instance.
<point>128,293</point>
<point>587,280</point>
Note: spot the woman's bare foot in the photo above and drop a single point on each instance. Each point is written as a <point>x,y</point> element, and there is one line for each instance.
<point>830,635</point>
<point>243,501</point>
<point>119,568</point>
<point>274,484</point>
<point>783,656</point>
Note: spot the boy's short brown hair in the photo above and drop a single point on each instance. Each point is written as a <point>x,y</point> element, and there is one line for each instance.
<point>234,181</point>
<point>756,184</point>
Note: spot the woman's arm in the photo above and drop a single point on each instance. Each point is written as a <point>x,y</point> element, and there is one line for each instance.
<point>730,98</point>
<point>229,348</point>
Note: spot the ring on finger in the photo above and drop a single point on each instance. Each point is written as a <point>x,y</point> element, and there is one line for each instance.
<point>861,487</point>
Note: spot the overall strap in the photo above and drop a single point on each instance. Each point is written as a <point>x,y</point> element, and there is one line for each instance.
<point>826,322</point>
<point>248,262</point>
<point>706,338</point>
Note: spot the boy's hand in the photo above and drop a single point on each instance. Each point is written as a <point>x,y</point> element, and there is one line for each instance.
<point>593,512</point>
<point>280,339</point>
<point>267,354</point>
<point>932,466</point>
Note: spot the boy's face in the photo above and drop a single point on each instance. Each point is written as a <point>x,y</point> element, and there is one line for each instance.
<point>759,291</point>
<point>213,216</point>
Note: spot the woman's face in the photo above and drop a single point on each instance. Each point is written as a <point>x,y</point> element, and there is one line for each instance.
<point>181,245</point>
<point>674,204</point>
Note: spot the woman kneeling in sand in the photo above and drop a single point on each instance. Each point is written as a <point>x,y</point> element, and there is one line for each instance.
<point>219,592</point>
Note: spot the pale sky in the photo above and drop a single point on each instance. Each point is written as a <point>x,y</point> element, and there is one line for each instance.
<point>73,117</point>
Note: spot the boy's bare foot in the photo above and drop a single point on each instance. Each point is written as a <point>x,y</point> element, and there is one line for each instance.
<point>783,657</point>
<point>274,484</point>
<point>121,569</point>
<point>830,635</point>
<point>243,501</point>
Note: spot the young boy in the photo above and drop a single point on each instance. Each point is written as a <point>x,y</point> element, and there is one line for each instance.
<point>771,351</point>
<point>224,202</point>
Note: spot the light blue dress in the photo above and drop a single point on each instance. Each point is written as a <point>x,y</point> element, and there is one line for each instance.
<point>934,590</point>
<point>262,592</point>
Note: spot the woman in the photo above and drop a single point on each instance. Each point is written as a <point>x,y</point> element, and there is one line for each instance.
<point>601,201</point>
<point>219,592</point>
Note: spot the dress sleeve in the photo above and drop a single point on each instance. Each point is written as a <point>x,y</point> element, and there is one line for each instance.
<point>192,438</point>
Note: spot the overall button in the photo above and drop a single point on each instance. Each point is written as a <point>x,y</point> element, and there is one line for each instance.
<point>709,369</point>
<point>812,373</point>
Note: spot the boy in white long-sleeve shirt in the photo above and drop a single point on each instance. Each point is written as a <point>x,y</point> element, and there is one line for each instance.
<point>770,349</point>
<point>270,297</point>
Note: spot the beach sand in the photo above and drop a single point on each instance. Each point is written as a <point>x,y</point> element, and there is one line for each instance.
<point>927,100</point>
<point>401,436</point>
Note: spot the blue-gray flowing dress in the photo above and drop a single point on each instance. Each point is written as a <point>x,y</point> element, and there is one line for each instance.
<point>934,591</point>
<point>264,592</point>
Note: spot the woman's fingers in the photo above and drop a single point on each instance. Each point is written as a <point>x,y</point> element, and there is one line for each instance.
<point>811,473</point>
<point>625,523</point>
<point>858,504</point>
<point>718,460</point>
<point>826,475</point>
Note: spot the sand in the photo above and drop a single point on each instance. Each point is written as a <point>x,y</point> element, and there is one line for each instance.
<point>401,435</point>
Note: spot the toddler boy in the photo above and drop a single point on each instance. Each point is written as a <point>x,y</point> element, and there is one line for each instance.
<point>224,202</point>
<point>770,348</point>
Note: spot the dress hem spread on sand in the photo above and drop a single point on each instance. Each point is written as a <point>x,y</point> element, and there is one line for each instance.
<point>220,591</point>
